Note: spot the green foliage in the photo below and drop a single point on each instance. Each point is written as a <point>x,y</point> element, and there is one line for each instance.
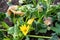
<point>2,16</point>
<point>39,10</point>
<point>58,15</point>
<point>11,30</point>
<point>1,35</point>
<point>5,25</point>
<point>27,38</point>
<point>6,39</point>
<point>54,37</point>
<point>56,29</point>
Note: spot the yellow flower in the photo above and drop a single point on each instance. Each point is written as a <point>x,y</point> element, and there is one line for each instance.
<point>30,21</point>
<point>24,29</point>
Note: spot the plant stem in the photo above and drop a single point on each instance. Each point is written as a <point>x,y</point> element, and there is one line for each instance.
<point>22,37</point>
<point>34,2</point>
<point>41,18</point>
<point>38,36</point>
<point>2,30</point>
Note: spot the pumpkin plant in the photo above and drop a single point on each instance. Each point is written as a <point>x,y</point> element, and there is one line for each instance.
<point>37,16</point>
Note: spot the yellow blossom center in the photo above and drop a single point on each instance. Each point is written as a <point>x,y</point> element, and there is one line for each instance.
<point>24,29</point>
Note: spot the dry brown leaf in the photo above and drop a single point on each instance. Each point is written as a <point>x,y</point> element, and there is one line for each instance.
<point>12,9</point>
<point>48,21</point>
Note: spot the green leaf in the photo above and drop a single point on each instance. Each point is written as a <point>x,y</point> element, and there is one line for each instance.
<point>43,30</point>
<point>27,38</point>
<point>16,32</point>
<point>6,39</point>
<point>1,35</point>
<point>56,29</point>
<point>34,2</point>
<point>20,34</point>
<point>11,30</point>
<point>5,25</point>
<point>2,16</point>
<point>9,3</point>
<point>54,37</point>
<point>58,15</point>
<point>39,28</point>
